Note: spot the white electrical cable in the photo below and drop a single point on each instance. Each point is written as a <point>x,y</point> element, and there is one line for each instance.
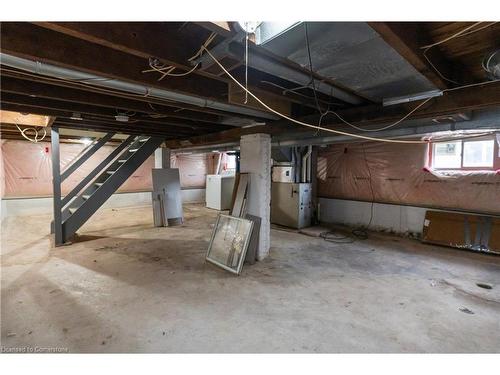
<point>383,128</point>
<point>453,36</point>
<point>338,131</point>
<point>459,34</point>
<point>304,123</point>
<point>35,130</point>
<point>168,70</point>
<point>246,62</point>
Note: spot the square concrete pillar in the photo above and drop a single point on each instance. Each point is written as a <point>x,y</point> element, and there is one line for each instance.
<point>255,155</point>
<point>162,157</point>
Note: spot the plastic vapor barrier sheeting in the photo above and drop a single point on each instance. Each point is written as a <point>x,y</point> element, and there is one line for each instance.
<point>27,169</point>
<point>399,174</point>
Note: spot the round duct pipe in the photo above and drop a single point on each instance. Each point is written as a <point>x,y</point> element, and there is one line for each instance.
<point>37,67</point>
<point>491,64</point>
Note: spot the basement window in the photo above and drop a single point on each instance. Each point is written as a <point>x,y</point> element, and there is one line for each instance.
<point>474,154</point>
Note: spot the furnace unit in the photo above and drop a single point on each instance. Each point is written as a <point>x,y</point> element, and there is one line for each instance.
<point>291,204</point>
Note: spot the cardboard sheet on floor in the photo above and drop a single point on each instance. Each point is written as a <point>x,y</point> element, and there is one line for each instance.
<point>464,231</point>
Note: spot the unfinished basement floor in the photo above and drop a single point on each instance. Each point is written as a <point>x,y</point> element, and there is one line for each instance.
<point>126,286</point>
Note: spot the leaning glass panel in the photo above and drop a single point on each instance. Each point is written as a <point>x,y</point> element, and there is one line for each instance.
<point>229,242</point>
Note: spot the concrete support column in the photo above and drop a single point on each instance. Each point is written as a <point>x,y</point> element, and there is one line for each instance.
<point>255,155</point>
<point>162,157</point>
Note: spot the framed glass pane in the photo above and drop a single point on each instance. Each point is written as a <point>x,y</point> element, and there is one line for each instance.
<point>478,153</point>
<point>229,243</point>
<point>447,154</point>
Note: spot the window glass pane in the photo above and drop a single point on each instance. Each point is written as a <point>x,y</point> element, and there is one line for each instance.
<point>478,153</point>
<point>447,154</point>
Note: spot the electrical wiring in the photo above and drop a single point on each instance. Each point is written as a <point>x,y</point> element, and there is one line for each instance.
<point>486,63</point>
<point>88,87</point>
<point>246,63</point>
<point>294,92</point>
<point>382,128</point>
<point>459,34</point>
<point>311,71</point>
<point>437,70</point>
<point>360,233</point>
<point>76,83</point>
<point>452,36</point>
<point>165,71</point>
<point>360,136</point>
<point>307,124</point>
<point>35,130</point>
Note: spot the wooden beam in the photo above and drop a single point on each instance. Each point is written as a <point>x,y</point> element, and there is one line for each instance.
<point>40,44</point>
<point>171,42</point>
<point>65,107</point>
<point>406,38</point>
<point>71,95</point>
<point>151,39</point>
<point>9,131</point>
<point>92,126</point>
<point>467,99</point>
<point>104,124</point>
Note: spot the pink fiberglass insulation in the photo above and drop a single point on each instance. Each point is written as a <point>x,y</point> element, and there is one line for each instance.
<point>27,169</point>
<point>399,174</point>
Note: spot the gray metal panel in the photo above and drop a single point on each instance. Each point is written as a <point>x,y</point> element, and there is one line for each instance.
<point>353,55</point>
<point>166,182</point>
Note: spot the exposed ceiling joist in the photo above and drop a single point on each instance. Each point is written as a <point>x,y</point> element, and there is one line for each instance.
<point>468,99</point>
<point>18,82</point>
<point>169,41</point>
<point>33,42</point>
<point>407,38</point>
<point>124,128</point>
<point>58,105</point>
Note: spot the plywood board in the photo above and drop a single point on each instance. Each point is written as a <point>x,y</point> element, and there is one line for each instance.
<point>253,245</point>
<point>241,192</point>
<point>465,231</point>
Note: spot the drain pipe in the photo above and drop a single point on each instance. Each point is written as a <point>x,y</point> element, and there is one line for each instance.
<point>305,161</point>
<point>37,67</point>
<point>309,163</point>
<point>298,164</point>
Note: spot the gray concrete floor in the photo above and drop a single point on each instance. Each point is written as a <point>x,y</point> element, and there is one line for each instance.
<point>128,287</point>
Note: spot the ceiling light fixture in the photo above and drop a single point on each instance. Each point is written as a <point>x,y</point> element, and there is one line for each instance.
<point>76,116</point>
<point>249,26</point>
<point>86,141</point>
<point>122,118</point>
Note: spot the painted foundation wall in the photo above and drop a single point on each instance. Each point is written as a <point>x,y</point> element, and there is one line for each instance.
<point>387,217</point>
<point>43,205</point>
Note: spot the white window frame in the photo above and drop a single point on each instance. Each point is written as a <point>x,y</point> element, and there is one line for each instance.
<point>462,167</point>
